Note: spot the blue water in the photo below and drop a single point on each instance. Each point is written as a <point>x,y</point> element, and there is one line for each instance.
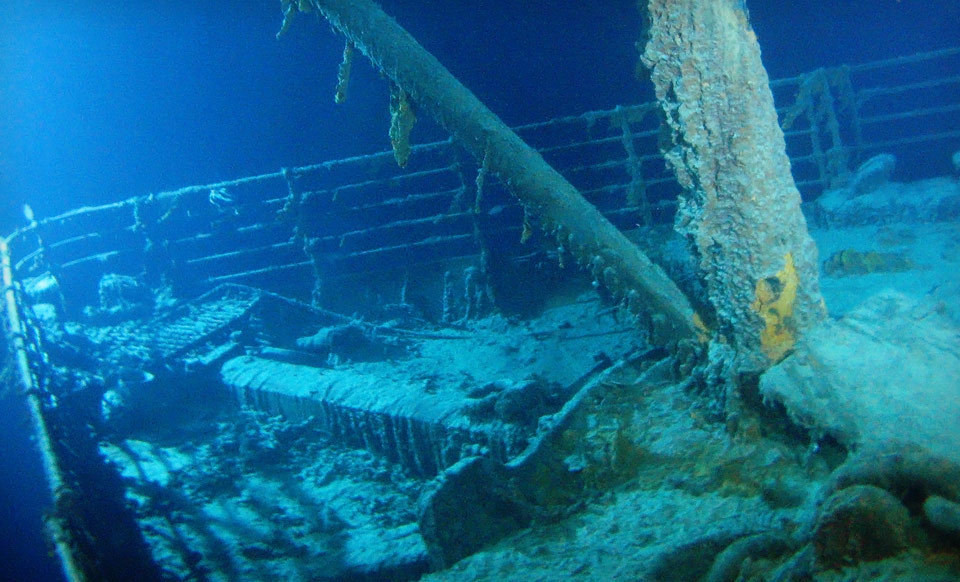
<point>103,100</point>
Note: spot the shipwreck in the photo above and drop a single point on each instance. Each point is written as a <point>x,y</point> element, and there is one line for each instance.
<point>601,346</point>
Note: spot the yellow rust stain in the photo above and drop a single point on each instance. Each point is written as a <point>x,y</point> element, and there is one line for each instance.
<point>774,300</point>
<point>703,332</point>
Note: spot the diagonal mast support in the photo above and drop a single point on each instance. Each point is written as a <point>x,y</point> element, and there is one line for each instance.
<point>578,225</point>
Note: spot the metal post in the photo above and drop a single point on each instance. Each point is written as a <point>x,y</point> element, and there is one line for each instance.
<point>740,206</point>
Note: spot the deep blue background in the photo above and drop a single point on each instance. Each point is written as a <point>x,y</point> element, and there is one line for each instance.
<point>106,99</point>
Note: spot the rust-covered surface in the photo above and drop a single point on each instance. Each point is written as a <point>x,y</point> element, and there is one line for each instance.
<point>740,208</point>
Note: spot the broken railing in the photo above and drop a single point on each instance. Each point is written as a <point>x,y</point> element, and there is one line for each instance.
<point>837,117</point>
<point>60,533</point>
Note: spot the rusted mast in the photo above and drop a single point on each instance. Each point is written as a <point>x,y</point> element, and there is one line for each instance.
<point>740,207</point>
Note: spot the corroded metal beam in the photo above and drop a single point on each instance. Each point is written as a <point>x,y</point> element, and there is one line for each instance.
<point>577,225</point>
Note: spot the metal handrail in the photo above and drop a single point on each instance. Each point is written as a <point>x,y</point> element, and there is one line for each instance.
<point>56,484</point>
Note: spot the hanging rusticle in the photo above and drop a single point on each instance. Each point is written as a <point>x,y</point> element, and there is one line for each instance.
<point>481,179</point>
<point>402,120</point>
<point>343,74</point>
<point>527,228</point>
<point>290,9</point>
<point>560,236</point>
